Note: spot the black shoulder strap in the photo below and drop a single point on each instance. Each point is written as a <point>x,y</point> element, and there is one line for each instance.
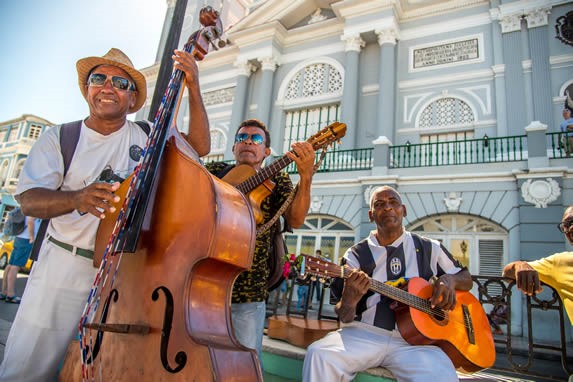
<point>39,239</point>
<point>69,137</point>
<point>144,126</point>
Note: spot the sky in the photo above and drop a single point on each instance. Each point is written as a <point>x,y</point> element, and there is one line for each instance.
<point>41,40</point>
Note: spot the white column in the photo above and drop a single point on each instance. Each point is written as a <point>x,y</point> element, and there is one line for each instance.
<point>351,81</point>
<point>386,82</point>
<point>268,65</point>
<point>244,71</point>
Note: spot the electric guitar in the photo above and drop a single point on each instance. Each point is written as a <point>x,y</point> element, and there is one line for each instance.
<point>257,185</point>
<point>462,333</point>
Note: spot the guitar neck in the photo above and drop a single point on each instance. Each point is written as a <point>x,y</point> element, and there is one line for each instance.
<point>400,295</point>
<point>397,294</point>
<point>264,174</point>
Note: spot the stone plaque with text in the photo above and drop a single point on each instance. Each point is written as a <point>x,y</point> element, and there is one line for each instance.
<point>446,53</point>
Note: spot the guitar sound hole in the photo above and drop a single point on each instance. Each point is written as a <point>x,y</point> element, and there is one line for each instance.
<point>439,315</point>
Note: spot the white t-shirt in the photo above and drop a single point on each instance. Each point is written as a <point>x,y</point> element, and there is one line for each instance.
<point>94,153</point>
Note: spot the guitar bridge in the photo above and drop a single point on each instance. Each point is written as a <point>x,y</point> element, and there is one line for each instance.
<point>469,325</point>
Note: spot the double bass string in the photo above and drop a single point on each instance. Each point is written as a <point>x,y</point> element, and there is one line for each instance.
<point>154,148</point>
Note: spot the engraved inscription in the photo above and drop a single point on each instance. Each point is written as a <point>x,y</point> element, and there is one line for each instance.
<point>446,53</point>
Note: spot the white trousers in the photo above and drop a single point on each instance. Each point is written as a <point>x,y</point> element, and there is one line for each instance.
<point>340,355</point>
<point>48,316</point>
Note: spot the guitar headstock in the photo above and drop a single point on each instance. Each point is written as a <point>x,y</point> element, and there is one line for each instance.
<point>209,36</point>
<point>330,134</point>
<point>320,268</point>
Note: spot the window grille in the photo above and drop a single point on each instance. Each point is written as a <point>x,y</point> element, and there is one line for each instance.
<point>331,235</point>
<point>314,80</point>
<point>477,232</point>
<point>491,262</point>
<point>218,141</point>
<point>34,131</point>
<point>446,112</point>
<point>301,124</point>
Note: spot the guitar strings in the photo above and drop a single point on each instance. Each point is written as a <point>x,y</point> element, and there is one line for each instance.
<point>403,296</point>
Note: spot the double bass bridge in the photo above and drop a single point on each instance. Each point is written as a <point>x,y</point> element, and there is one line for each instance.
<point>119,328</point>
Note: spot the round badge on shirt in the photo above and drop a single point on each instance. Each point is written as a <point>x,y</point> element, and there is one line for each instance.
<point>135,152</point>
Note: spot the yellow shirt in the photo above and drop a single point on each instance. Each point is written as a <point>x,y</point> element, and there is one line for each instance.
<point>557,271</point>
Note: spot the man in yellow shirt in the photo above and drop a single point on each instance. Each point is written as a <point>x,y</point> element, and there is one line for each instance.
<point>555,270</point>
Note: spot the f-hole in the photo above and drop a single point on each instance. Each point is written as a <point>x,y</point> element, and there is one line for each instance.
<point>180,357</point>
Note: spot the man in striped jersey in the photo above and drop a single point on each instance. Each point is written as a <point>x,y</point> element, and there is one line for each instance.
<point>369,336</point>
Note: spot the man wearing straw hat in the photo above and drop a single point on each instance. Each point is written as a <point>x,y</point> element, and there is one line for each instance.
<point>75,200</point>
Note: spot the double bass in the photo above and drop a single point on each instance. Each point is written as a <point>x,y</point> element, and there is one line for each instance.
<point>159,309</point>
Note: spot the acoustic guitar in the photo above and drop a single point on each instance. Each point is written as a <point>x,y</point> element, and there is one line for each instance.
<point>462,333</point>
<point>257,184</point>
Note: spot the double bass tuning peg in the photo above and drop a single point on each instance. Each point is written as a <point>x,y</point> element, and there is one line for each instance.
<point>209,35</point>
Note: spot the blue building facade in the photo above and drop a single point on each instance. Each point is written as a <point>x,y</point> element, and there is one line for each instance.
<point>457,104</point>
<point>16,139</point>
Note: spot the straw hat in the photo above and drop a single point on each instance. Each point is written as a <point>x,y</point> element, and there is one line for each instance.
<point>114,57</point>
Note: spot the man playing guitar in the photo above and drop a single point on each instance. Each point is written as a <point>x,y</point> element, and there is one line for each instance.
<point>369,336</point>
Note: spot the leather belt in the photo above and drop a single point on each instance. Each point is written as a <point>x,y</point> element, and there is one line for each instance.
<point>78,251</point>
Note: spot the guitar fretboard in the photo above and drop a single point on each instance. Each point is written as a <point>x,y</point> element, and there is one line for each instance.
<point>399,295</point>
<point>265,173</point>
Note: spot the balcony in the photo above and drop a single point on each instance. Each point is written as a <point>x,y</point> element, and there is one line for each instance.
<point>536,146</point>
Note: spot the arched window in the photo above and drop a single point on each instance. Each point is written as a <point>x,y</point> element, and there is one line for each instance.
<point>477,243</point>
<point>330,234</point>
<point>218,142</point>
<point>314,80</point>
<point>446,123</point>
<point>310,95</point>
<point>446,112</point>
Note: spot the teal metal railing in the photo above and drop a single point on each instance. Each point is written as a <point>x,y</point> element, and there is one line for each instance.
<point>469,151</point>
<point>341,160</point>
<point>558,146</point>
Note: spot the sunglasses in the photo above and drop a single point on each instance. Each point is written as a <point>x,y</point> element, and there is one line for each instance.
<point>565,226</point>
<point>120,83</point>
<point>257,139</point>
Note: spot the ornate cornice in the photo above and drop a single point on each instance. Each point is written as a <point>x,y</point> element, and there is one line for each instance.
<point>353,43</point>
<point>269,63</point>
<point>245,68</point>
<point>510,23</point>
<point>537,17</point>
<point>534,12</point>
<point>387,36</point>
